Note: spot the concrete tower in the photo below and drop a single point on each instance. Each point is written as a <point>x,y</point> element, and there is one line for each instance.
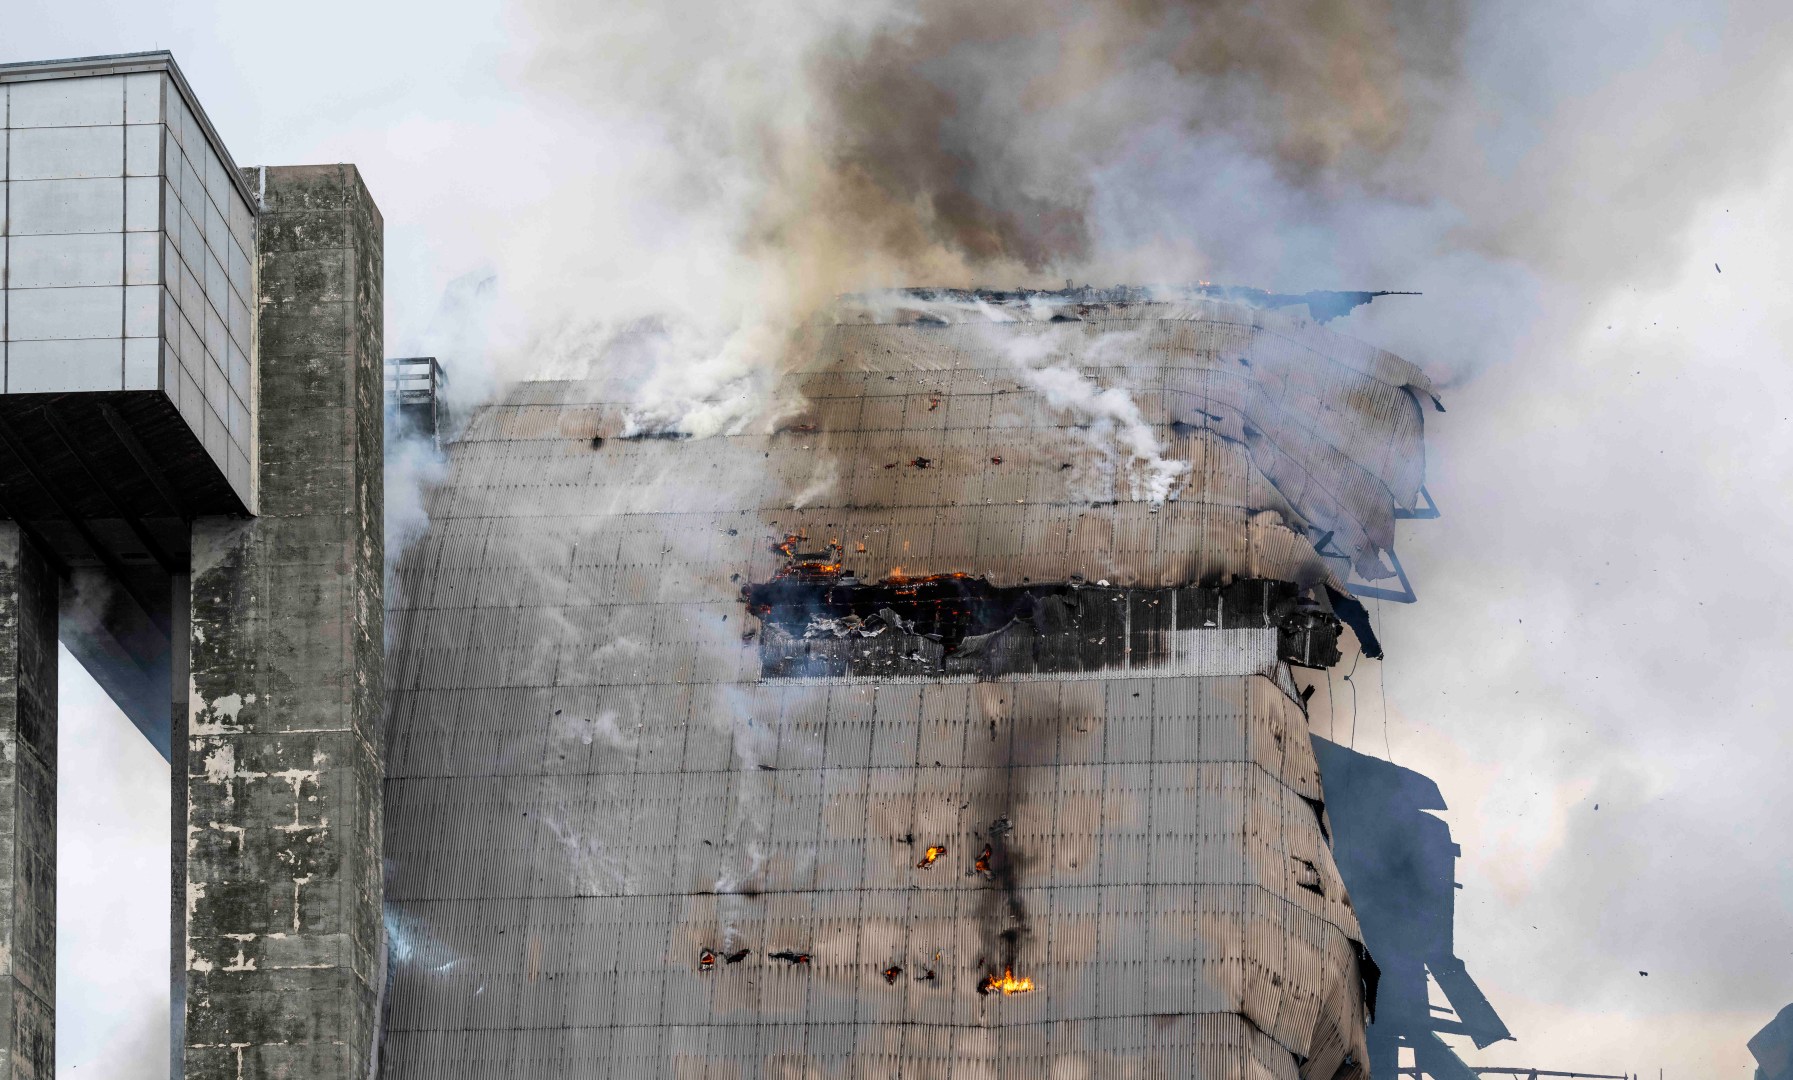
<point>938,722</point>
<point>190,488</point>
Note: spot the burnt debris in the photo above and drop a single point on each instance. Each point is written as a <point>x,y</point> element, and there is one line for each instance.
<point>819,620</point>
<point>891,973</point>
<point>795,959</point>
<point>737,956</point>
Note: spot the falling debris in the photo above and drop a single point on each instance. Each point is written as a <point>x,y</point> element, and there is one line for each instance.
<point>996,460</point>
<point>922,462</point>
<point>982,865</point>
<point>927,861</point>
<point>737,956</point>
<point>1005,984</point>
<point>891,973</point>
<point>706,960</point>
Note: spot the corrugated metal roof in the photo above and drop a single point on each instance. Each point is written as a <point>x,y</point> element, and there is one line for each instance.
<point>591,784</point>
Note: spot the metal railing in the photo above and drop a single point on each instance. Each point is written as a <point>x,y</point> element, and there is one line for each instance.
<point>414,391</point>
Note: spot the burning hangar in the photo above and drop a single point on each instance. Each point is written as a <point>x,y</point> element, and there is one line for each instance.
<point>940,723</point>
<point>939,719</point>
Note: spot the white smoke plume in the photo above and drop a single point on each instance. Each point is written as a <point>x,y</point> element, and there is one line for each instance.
<point>414,465</point>
<point>1106,417</point>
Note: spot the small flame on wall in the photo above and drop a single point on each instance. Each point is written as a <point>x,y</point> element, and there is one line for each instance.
<point>928,860</point>
<point>1006,984</point>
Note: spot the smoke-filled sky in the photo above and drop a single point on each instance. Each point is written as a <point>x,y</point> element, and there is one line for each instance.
<point>1592,196</point>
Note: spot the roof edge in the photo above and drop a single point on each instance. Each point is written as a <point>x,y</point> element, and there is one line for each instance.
<point>136,63</point>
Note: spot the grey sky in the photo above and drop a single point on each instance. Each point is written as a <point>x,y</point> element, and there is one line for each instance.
<point>1600,616</point>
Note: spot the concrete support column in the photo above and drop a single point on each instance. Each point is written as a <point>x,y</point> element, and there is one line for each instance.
<point>28,604</point>
<point>283,773</point>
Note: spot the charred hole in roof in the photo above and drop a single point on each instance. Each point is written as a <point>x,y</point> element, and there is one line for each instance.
<point>1307,876</point>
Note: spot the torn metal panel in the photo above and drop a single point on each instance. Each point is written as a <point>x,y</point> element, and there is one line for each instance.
<point>1772,1047</point>
<point>909,675</point>
<point>1400,864</point>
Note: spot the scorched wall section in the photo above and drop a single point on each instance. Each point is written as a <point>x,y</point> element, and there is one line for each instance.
<point>636,828</point>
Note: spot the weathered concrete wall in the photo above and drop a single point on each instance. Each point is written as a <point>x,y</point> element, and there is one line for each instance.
<point>28,598</point>
<point>283,770</point>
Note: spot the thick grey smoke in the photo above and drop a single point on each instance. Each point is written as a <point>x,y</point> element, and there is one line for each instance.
<point>764,165</point>
<point>766,162</point>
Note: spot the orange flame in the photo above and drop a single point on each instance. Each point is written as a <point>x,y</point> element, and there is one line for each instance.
<point>1007,984</point>
<point>982,865</point>
<point>706,960</point>
<point>928,860</point>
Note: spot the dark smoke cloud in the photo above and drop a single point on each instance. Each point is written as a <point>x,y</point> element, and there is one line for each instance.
<point>983,128</point>
<point>959,143</point>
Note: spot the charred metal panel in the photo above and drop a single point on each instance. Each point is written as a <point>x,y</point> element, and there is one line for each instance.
<point>960,626</point>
